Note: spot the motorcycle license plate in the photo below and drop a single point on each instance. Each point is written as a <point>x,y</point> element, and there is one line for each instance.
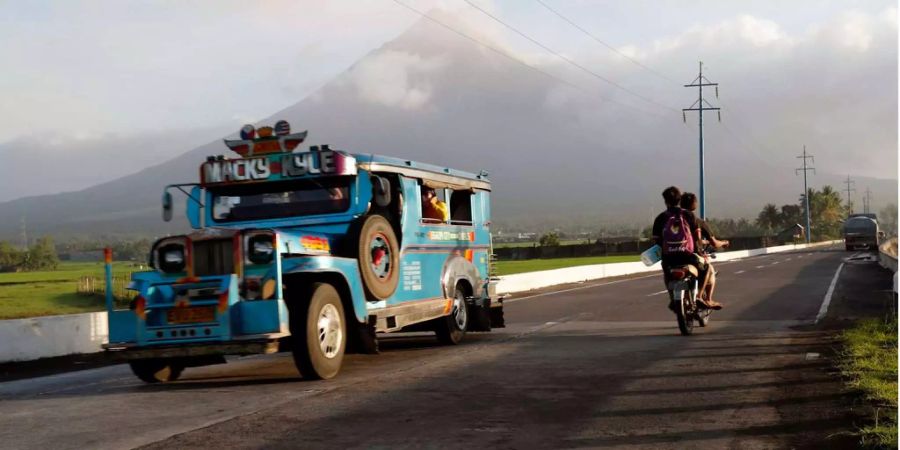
<point>192,315</point>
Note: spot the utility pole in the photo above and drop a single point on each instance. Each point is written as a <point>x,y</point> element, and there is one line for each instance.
<point>867,200</point>
<point>24,233</point>
<point>806,169</point>
<point>699,82</point>
<point>850,189</point>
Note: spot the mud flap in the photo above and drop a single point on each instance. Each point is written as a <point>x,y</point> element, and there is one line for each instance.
<point>363,339</point>
<point>496,313</point>
<point>479,314</point>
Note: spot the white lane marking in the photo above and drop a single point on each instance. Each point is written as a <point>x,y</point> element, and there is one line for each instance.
<point>825,302</point>
<point>512,300</point>
<point>656,293</point>
<point>774,262</point>
<point>760,267</point>
<point>739,272</point>
<point>788,259</point>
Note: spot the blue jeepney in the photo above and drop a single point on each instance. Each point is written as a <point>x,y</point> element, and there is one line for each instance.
<point>313,251</point>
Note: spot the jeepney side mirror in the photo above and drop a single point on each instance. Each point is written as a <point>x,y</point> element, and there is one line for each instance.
<point>167,206</point>
<point>195,207</point>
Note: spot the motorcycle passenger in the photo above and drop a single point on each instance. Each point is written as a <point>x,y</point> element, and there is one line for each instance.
<point>689,202</point>
<point>676,231</point>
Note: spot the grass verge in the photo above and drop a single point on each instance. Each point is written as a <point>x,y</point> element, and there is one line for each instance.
<point>869,363</point>
<point>52,292</point>
<point>531,265</point>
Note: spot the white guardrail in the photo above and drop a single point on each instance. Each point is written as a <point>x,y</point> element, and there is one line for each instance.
<point>49,336</point>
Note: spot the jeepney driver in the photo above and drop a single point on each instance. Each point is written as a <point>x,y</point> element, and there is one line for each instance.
<point>432,206</point>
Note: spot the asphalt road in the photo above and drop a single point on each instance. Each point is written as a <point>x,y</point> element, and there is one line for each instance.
<point>593,365</point>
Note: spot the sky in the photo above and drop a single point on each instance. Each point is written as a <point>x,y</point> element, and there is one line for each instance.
<point>138,82</point>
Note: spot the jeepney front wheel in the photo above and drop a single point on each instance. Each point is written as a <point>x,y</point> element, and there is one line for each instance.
<point>156,370</point>
<point>451,329</point>
<point>319,333</point>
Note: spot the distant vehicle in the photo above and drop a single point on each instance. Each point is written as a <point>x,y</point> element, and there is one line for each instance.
<point>309,251</point>
<point>861,231</point>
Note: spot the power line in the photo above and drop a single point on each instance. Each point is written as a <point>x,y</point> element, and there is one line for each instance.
<point>699,82</point>
<point>850,189</point>
<point>517,60</point>
<point>601,42</point>
<point>805,170</point>
<point>867,200</point>
<point>567,59</point>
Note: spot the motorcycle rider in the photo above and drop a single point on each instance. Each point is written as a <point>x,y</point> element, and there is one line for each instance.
<point>678,233</point>
<point>689,202</point>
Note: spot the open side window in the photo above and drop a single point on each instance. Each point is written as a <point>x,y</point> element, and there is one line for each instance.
<point>432,218</point>
<point>461,207</point>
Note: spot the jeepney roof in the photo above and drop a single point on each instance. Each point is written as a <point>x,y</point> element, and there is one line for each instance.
<point>432,175</point>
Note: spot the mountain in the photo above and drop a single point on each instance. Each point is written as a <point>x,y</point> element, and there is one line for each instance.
<point>557,156</point>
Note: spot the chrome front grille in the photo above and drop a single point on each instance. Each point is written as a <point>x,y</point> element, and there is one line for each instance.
<point>213,257</point>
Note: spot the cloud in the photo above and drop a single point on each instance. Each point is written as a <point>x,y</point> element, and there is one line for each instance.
<point>396,78</point>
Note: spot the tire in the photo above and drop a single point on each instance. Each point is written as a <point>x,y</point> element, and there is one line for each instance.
<point>685,323</point>
<point>319,333</point>
<point>378,253</point>
<point>451,329</point>
<point>848,248</point>
<point>156,370</point>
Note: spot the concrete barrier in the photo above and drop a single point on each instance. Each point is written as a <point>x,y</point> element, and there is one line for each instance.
<point>49,336</point>
<point>44,337</point>
<point>535,280</point>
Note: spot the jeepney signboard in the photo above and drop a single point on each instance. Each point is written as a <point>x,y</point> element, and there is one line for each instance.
<point>276,167</point>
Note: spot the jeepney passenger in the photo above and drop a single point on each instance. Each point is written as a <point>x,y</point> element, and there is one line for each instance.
<point>433,207</point>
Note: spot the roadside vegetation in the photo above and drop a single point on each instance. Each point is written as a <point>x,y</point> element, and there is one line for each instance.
<point>52,292</point>
<point>869,364</point>
<point>531,265</point>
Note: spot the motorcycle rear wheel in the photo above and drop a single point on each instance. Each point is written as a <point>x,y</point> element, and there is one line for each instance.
<point>685,321</point>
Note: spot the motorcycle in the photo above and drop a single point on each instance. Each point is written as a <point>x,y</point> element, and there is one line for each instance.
<point>684,292</point>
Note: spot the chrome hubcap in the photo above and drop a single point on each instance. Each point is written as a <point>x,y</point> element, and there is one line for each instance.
<point>331,336</point>
<point>380,252</point>
<point>459,312</point>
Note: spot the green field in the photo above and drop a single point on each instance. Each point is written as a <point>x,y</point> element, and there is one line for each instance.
<point>45,293</point>
<point>869,363</point>
<point>535,243</point>
<point>531,265</point>
<point>30,294</point>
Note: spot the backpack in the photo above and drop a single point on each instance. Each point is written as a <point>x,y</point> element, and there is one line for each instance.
<point>676,237</point>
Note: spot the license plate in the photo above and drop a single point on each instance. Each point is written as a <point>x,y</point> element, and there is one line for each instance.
<point>192,315</point>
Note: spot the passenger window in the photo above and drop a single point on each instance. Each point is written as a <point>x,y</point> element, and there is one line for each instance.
<point>461,208</point>
<point>434,205</point>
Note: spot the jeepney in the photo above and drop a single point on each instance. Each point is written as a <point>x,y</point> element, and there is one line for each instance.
<point>317,252</point>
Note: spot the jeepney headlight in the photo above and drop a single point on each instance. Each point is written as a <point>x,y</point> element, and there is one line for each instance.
<point>261,248</point>
<point>171,258</point>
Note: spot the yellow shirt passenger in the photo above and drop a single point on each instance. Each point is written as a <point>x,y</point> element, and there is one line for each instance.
<point>433,207</point>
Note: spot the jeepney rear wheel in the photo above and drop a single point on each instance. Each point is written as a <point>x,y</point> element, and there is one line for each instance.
<point>451,329</point>
<point>379,257</point>
<point>156,370</point>
<point>319,333</point>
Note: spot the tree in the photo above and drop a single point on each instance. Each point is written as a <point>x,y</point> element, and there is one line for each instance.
<point>791,215</point>
<point>550,239</point>
<point>826,213</point>
<point>41,256</point>
<point>10,257</point>
<point>769,218</point>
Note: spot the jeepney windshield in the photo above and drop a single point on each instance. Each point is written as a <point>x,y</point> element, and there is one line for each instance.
<point>279,200</point>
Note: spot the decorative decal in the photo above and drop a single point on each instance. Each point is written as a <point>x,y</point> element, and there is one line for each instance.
<point>412,275</point>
